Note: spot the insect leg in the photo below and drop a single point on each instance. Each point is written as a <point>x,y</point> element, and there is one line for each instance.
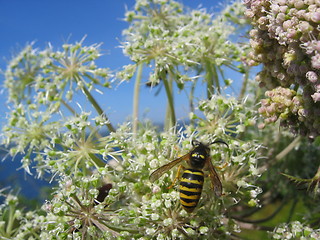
<point>223,166</point>
<point>176,177</point>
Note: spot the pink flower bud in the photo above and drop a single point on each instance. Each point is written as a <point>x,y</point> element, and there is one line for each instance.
<point>311,76</point>
<point>287,24</point>
<point>249,13</point>
<point>269,93</point>
<point>315,61</point>
<point>302,112</point>
<point>304,26</point>
<point>263,21</point>
<point>315,17</point>
<point>312,8</point>
<point>253,32</point>
<point>271,109</point>
<point>317,46</point>
<point>264,102</point>
<point>280,17</point>
<point>299,4</point>
<point>316,97</point>
<point>282,3</point>
<point>307,16</point>
<point>296,100</point>
<point>262,110</point>
<point>301,14</point>
<point>273,118</point>
<point>274,8</point>
<point>283,9</point>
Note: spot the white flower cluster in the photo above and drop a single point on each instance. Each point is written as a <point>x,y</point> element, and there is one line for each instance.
<point>295,230</point>
<point>170,39</point>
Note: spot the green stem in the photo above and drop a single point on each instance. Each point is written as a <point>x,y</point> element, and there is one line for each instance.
<point>11,220</point>
<point>245,83</point>
<point>282,154</point>
<point>167,120</point>
<point>170,120</point>
<point>191,100</point>
<point>293,206</point>
<point>97,160</point>
<point>136,95</point>
<point>211,79</point>
<point>120,229</point>
<point>216,78</point>
<point>288,149</point>
<point>97,108</point>
<point>69,107</point>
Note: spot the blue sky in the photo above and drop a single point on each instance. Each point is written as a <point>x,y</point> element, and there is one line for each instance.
<point>57,22</point>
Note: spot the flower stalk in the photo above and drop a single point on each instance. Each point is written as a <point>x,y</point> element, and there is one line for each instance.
<point>98,108</point>
<point>212,79</point>
<point>136,95</point>
<point>170,119</point>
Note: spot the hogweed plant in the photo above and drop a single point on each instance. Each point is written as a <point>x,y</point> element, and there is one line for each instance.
<point>179,46</point>
<point>100,174</point>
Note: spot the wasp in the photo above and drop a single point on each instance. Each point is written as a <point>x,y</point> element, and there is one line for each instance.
<point>192,179</point>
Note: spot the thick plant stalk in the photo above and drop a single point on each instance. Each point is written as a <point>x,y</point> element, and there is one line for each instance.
<point>289,148</point>
<point>136,95</point>
<point>212,79</point>
<point>170,120</point>
<point>191,100</point>
<point>97,108</point>
<point>244,84</point>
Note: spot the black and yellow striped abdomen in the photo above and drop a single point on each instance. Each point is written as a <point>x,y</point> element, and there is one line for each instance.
<point>190,188</point>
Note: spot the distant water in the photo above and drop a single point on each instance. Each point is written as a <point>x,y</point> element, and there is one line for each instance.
<point>19,181</point>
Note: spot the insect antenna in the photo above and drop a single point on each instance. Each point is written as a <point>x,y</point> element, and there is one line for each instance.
<point>219,141</point>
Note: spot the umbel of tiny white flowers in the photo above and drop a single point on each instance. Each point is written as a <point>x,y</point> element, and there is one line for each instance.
<point>181,46</point>
<point>50,78</point>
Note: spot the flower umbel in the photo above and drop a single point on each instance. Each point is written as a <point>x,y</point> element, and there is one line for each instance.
<point>292,30</point>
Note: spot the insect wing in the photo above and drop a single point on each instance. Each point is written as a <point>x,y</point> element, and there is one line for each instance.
<point>158,173</point>
<point>215,180</point>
